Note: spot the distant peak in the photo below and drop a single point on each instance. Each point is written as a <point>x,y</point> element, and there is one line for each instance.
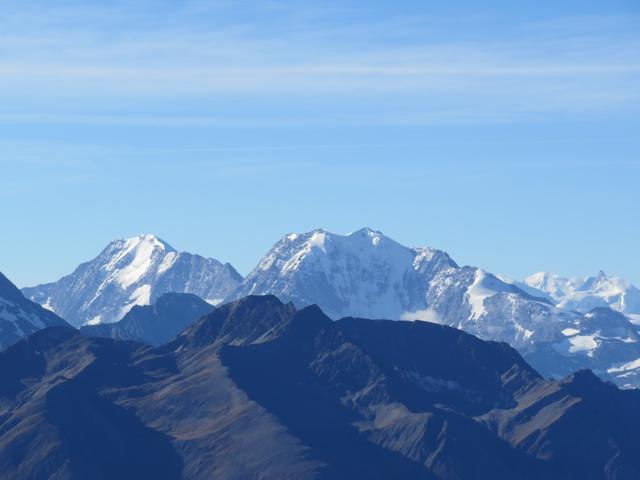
<point>540,276</point>
<point>319,238</point>
<point>253,300</point>
<point>146,239</point>
<point>367,231</point>
<point>153,239</point>
<point>150,237</point>
<point>293,236</point>
<point>598,281</point>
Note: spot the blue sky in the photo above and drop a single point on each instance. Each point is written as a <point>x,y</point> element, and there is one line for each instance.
<point>506,133</point>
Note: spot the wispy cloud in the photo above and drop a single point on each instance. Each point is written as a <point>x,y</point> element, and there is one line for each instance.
<point>218,50</point>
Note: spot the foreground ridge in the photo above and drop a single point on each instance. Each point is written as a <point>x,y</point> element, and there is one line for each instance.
<point>260,388</point>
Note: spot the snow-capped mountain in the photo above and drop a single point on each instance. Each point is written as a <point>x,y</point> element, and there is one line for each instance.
<point>584,294</point>
<point>20,317</point>
<point>133,271</point>
<point>367,274</point>
<point>601,340</point>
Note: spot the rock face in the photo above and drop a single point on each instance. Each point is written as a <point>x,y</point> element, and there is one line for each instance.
<point>154,324</point>
<point>20,317</point>
<point>585,294</point>
<point>130,272</point>
<point>369,275</point>
<point>259,389</point>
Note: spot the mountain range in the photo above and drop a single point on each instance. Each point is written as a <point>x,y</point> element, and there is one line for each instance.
<point>585,294</point>
<point>367,274</point>
<point>260,389</point>
<point>603,340</point>
<point>370,275</point>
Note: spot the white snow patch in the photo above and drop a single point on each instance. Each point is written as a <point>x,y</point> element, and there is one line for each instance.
<point>140,296</point>
<point>477,293</point>
<point>581,343</point>
<point>568,332</point>
<point>526,334</point>
<point>317,240</point>
<point>426,315</point>
<point>134,258</point>
<point>214,301</point>
<point>140,264</point>
<point>47,305</point>
<point>95,320</point>
<point>634,318</point>
<point>422,255</point>
<point>625,367</point>
<point>167,262</point>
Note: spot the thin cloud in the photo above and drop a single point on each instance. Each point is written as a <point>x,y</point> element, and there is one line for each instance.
<point>571,66</point>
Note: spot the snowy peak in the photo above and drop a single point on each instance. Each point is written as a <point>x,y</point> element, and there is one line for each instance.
<point>363,273</point>
<point>367,274</point>
<point>129,260</point>
<point>548,283</point>
<point>584,294</point>
<point>601,283</point>
<point>295,250</point>
<point>129,272</point>
<point>368,235</point>
<point>145,241</point>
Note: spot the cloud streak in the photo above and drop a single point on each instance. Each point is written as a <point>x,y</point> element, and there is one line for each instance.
<point>98,54</point>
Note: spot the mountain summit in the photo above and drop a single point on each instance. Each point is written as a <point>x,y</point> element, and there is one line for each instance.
<point>584,294</point>
<point>129,272</point>
<point>367,274</point>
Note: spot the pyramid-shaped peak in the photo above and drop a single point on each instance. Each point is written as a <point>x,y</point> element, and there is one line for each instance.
<point>148,239</point>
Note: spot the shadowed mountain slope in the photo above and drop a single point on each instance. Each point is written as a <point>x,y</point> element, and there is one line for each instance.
<point>258,389</point>
<point>154,324</point>
<point>20,317</point>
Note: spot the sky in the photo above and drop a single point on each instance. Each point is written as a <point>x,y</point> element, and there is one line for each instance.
<point>506,133</point>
